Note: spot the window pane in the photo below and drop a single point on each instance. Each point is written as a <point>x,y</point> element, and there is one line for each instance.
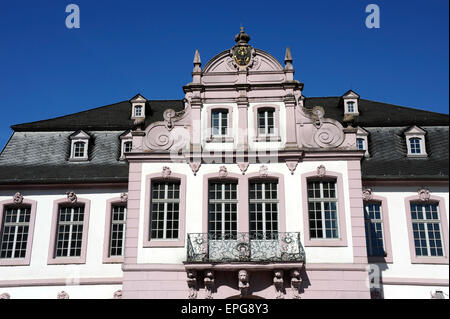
<point>165,210</point>
<point>14,232</point>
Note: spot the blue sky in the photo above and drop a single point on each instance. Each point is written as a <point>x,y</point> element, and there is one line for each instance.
<point>126,47</point>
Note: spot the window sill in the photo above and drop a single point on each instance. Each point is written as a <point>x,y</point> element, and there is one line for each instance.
<point>81,159</point>
<point>113,260</point>
<point>164,243</point>
<point>66,261</point>
<point>417,155</point>
<point>220,139</point>
<point>325,243</point>
<point>430,260</point>
<point>14,262</point>
<point>267,138</point>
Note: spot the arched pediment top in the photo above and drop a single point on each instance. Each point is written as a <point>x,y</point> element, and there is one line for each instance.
<point>261,62</point>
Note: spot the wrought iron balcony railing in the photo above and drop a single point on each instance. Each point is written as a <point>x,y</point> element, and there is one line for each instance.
<point>245,247</point>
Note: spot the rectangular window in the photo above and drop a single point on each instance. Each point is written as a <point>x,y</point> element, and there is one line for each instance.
<point>351,107</point>
<point>165,210</point>
<point>415,145</point>
<point>426,227</point>
<point>322,209</point>
<point>373,219</point>
<point>219,123</point>
<point>263,210</point>
<point>69,236</point>
<point>360,144</point>
<point>127,147</point>
<point>266,122</point>
<point>117,235</point>
<point>14,232</point>
<point>222,210</point>
<point>78,149</point>
<point>138,111</point>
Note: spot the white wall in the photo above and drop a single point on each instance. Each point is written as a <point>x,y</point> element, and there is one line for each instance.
<point>402,266</point>
<point>51,292</point>
<point>293,201</point>
<point>38,268</point>
<point>412,292</point>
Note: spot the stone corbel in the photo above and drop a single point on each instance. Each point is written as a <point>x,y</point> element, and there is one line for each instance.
<point>243,167</point>
<point>292,165</point>
<point>117,294</point>
<point>124,197</point>
<point>195,166</point>
<point>62,295</point>
<point>244,282</point>
<point>263,171</point>
<point>166,172</point>
<point>192,284</point>
<point>278,283</point>
<point>321,171</point>
<point>295,283</point>
<point>209,284</point>
<point>223,172</point>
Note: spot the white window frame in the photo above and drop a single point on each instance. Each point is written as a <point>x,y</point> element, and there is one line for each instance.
<point>223,201</point>
<point>364,135</point>
<point>70,223</point>
<point>165,201</point>
<point>368,221</point>
<point>322,201</point>
<point>264,201</point>
<point>16,224</point>
<point>426,222</point>
<point>117,222</point>
<point>266,122</point>
<point>221,112</point>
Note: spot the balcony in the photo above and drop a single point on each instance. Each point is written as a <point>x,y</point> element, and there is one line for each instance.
<point>245,248</point>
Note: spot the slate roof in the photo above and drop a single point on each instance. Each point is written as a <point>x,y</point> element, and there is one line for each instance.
<point>38,151</point>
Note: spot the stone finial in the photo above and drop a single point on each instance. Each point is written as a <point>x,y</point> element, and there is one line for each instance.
<point>62,295</point>
<point>263,171</point>
<point>192,283</point>
<point>118,294</point>
<point>288,60</point>
<point>71,197</point>
<point>321,171</point>
<point>197,62</point>
<point>5,296</point>
<point>295,283</point>
<point>424,194</point>
<point>209,283</point>
<point>367,194</point>
<point>223,172</point>
<point>166,172</point>
<point>124,197</point>
<point>242,37</point>
<point>18,198</point>
<point>278,282</point>
<point>244,282</point>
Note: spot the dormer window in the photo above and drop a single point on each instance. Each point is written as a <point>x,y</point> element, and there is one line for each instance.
<point>138,107</point>
<point>415,142</point>
<point>79,149</point>
<point>219,123</point>
<point>79,146</point>
<point>360,144</point>
<point>350,107</point>
<point>351,103</point>
<point>362,141</point>
<point>126,144</point>
<point>138,111</point>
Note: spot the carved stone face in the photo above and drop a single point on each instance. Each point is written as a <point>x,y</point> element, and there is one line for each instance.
<point>279,273</point>
<point>243,276</point>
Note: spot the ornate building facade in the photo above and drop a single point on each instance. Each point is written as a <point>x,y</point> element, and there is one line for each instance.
<point>246,188</point>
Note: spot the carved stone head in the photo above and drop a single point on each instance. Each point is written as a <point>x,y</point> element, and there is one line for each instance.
<point>71,197</point>
<point>278,274</point>
<point>18,198</point>
<point>243,276</point>
<point>367,194</point>
<point>424,194</point>
<point>124,197</point>
<point>223,172</point>
<point>263,171</point>
<point>321,171</point>
<point>62,295</point>
<point>166,172</point>
<point>118,294</point>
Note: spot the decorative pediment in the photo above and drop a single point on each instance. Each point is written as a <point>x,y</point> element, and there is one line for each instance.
<point>138,98</point>
<point>415,130</point>
<point>350,95</point>
<point>79,135</point>
<point>362,132</point>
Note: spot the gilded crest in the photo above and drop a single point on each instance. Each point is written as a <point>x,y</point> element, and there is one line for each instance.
<point>242,55</point>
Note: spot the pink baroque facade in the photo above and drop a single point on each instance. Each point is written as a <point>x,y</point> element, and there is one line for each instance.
<point>244,189</point>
